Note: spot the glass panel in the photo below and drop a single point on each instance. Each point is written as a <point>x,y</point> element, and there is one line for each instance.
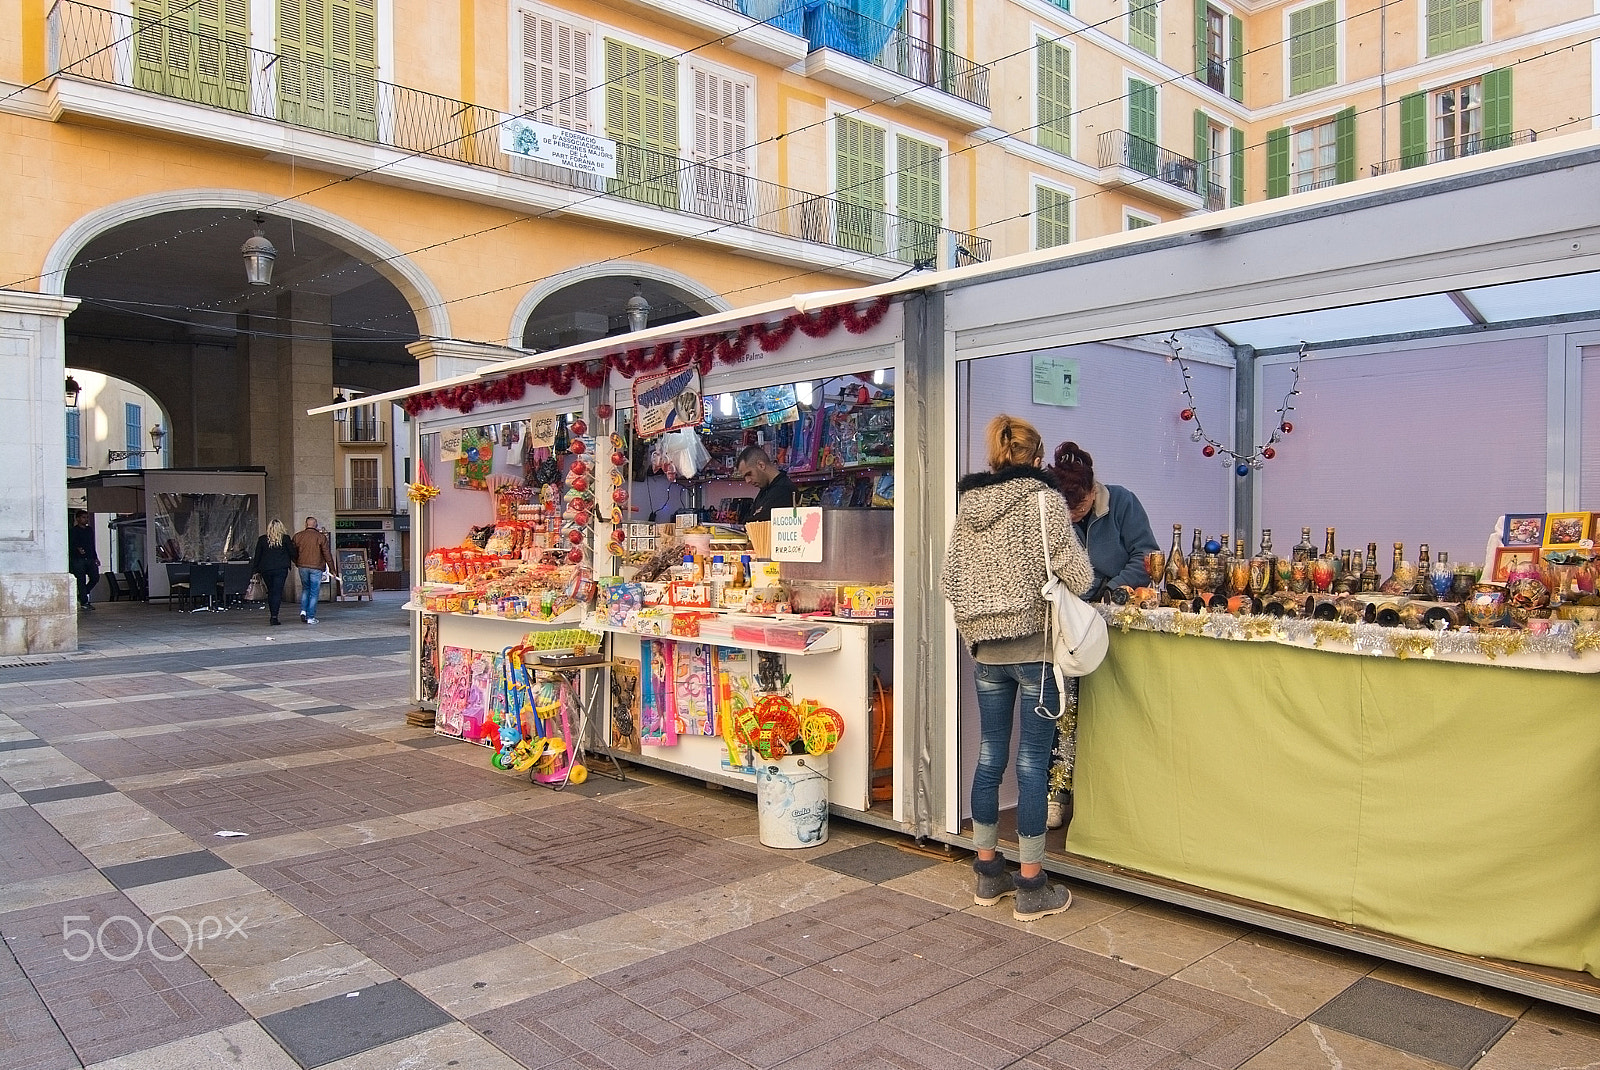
<point>206,527</point>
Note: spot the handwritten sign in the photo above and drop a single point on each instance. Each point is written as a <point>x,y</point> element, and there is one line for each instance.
<point>556,145</point>
<point>797,534</point>
<point>1055,381</point>
<point>666,402</point>
<point>355,574</point>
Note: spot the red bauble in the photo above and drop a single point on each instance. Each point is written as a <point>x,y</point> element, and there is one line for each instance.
<point>603,411</point>
<point>577,469</point>
<point>579,427</point>
<point>619,458</point>
<point>1209,450</point>
<point>1186,414</point>
<point>1269,453</point>
<point>577,446</point>
<point>1286,427</point>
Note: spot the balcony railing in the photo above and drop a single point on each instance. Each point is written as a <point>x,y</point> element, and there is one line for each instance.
<point>100,46</point>
<point>353,432</point>
<point>1118,147</point>
<point>1454,152</point>
<point>363,499</point>
<point>1215,75</point>
<point>1216,197</point>
<point>831,25</point>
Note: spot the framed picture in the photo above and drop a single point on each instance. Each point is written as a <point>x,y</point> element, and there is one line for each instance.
<point>1507,558</point>
<point>1564,531</point>
<point>1524,529</point>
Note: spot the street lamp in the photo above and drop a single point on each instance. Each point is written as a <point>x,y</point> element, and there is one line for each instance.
<point>259,254</point>
<point>72,392</point>
<point>157,434</point>
<point>340,399</point>
<point>638,308</point>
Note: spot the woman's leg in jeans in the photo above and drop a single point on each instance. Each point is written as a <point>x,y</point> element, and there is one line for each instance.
<point>1033,761</point>
<point>997,700</point>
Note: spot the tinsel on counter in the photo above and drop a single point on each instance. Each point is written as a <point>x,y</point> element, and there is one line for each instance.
<point>1371,639</point>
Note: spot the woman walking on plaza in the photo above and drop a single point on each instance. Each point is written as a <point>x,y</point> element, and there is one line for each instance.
<point>993,571</point>
<point>274,555</point>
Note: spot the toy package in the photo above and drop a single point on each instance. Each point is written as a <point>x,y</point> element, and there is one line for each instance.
<point>691,675</point>
<point>455,678</point>
<point>625,705</point>
<point>657,703</point>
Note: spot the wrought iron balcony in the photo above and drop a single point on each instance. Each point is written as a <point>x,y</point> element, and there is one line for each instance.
<point>1216,197</point>
<point>836,27</point>
<point>363,499</point>
<point>97,45</point>
<point>1473,147</point>
<point>1215,75</point>
<point>1129,160</point>
<point>367,432</point>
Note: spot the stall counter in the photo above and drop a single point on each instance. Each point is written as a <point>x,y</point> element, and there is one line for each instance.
<point>1449,804</point>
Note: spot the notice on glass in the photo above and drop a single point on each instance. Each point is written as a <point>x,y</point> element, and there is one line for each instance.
<point>1055,381</point>
<point>797,534</point>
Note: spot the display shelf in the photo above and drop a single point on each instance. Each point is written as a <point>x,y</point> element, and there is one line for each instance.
<point>561,620</point>
<point>822,475</point>
<point>827,643</point>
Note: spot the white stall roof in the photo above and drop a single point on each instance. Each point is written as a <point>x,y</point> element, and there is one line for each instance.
<point>1459,310</point>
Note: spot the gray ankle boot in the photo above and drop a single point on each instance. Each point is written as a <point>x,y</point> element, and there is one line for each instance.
<point>995,881</point>
<point>1038,898</point>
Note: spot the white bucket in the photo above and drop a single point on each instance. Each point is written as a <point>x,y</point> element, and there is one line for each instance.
<point>792,800</point>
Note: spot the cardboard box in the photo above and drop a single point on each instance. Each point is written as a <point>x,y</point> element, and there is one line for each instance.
<point>870,602</point>
<point>692,595</point>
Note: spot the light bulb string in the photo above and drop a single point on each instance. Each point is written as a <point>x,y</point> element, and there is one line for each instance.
<point>1262,451</point>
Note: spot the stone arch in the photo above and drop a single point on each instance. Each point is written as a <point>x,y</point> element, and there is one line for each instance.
<point>703,299</point>
<point>424,298</point>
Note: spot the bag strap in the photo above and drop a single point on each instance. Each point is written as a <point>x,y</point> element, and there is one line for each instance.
<point>1049,618</point>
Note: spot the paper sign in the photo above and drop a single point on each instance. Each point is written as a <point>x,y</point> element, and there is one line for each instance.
<point>542,429</point>
<point>797,534</point>
<point>556,145</point>
<point>666,402</point>
<point>450,444</point>
<point>1055,381</point>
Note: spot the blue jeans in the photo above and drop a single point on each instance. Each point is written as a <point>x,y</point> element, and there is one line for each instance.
<point>310,587</point>
<point>998,689</point>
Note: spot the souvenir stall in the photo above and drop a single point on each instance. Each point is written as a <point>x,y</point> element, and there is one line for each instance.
<point>563,606</point>
<point>1376,731</point>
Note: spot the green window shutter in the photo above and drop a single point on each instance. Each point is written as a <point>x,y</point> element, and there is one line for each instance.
<point>1200,39</point>
<point>919,200</point>
<point>1236,137</point>
<point>1344,143</point>
<point>1202,147</point>
<point>1142,17</point>
<point>1054,105</point>
<point>1141,126</point>
<point>1313,47</point>
<point>642,118</point>
<point>1468,23</point>
<point>1236,58</point>
<point>196,51</point>
<point>328,65</point>
<point>860,185</point>
<point>1052,217</point>
<point>1453,24</point>
<point>1413,129</point>
<point>1134,222</point>
<point>1497,109</point>
<point>1278,162</point>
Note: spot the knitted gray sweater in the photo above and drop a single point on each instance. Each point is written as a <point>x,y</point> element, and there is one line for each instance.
<point>995,566</point>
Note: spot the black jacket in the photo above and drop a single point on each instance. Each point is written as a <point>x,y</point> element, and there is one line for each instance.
<point>779,494</point>
<point>270,558</point>
<point>81,553</point>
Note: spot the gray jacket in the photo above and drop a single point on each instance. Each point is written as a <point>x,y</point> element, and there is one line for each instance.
<point>995,566</point>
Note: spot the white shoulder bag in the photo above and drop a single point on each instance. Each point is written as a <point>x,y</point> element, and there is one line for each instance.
<point>1076,633</point>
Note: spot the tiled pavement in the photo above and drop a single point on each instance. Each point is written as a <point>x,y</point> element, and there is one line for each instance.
<point>395,902</point>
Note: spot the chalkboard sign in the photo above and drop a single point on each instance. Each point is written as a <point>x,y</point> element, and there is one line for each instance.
<point>355,575</point>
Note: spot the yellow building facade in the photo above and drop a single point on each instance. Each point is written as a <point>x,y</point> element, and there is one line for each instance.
<point>444,184</point>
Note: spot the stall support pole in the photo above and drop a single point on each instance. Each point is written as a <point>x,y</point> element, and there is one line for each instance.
<point>1246,402</point>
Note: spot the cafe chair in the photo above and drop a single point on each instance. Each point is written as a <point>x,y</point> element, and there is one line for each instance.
<point>138,584</point>
<point>178,584</point>
<point>114,585</point>
<point>235,581</point>
<point>205,580</point>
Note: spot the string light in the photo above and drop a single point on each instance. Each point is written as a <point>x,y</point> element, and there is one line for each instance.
<point>1241,463</point>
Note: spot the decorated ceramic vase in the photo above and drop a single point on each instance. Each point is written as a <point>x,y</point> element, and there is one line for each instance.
<point>1487,604</point>
<point>1526,597</point>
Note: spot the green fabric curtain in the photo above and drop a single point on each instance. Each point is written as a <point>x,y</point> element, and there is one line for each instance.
<point>1454,805</point>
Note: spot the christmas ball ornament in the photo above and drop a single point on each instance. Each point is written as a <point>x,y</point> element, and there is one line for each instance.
<point>1269,453</point>
<point>1242,470</point>
<point>1186,414</point>
<point>579,427</point>
<point>1286,427</point>
<point>1213,546</point>
<point>1209,450</point>
<point>603,411</point>
<point>577,446</point>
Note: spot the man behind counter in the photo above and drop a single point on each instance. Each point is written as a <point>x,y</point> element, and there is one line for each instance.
<point>775,490</point>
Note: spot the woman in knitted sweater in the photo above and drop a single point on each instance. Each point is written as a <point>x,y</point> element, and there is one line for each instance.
<point>992,575</point>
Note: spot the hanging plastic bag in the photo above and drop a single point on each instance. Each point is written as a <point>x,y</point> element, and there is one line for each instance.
<point>681,453</point>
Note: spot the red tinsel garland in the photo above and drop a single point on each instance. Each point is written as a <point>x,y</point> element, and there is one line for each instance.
<point>703,351</point>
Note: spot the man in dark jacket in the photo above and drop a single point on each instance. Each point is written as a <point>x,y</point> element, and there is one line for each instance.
<point>775,491</point>
<point>315,558</point>
<point>83,560</point>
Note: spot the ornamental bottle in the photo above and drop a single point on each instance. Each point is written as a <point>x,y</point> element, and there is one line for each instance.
<point>1401,575</point>
<point>1420,587</point>
<point>1177,574</point>
<point>1325,569</point>
<point>1268,564</point>
<point>1349,572</point>
<point>1223,560</point>
<point>1369,574</point>
<point>1305,549</point>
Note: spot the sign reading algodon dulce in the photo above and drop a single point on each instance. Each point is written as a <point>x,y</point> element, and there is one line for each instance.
<point>556,145</point>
